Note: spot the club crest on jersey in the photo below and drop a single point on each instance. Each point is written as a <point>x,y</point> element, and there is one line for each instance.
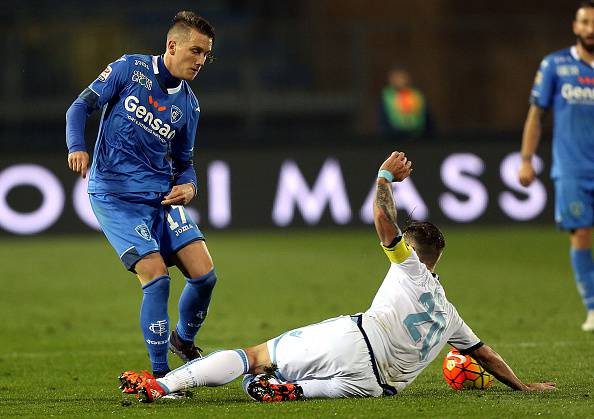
<point>176,114</point>
<point>105,73</point>
<point>143,231</point>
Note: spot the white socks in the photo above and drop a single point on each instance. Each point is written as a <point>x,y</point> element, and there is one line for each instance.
<point>216,369</point>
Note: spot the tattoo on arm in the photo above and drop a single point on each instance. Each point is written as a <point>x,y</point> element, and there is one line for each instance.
<point>385,201</point>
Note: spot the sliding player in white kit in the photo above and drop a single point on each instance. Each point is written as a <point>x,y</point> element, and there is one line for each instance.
<point>370,354</point>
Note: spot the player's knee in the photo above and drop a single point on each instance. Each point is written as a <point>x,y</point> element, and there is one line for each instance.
<point>581,238</point>
<point>150,267</point>
<point>258,359</point>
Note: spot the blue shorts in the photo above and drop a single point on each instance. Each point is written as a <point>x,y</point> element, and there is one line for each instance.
<point>136,224</point>
<point>574,203</point>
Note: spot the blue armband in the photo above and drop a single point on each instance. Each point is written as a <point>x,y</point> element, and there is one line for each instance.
<point>386,174</point>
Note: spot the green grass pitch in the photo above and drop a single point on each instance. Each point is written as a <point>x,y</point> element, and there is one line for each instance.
<point>69,316</point>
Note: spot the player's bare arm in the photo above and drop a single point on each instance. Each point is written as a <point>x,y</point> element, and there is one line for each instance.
<point>384,209</point>
<point>78,161</point>
<point>180,195</point>
<point>530,140</point>
<point>494,363</point>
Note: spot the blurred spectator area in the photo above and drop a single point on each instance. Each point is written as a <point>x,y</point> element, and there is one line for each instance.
<point>295,71</point>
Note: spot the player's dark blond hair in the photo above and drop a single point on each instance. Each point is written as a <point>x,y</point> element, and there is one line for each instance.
<point>185,20</point>
<point>427,240</point>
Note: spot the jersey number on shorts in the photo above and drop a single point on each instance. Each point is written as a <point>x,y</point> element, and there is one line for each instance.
<point>182,215</point>
<point>412,322</point>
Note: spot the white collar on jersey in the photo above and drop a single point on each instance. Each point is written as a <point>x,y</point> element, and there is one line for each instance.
<point>156,71</point>
<point>574,54</point>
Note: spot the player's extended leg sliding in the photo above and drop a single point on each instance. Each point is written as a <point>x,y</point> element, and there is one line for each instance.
<point>371,354</point>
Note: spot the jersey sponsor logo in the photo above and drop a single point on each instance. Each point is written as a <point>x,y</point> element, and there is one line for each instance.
<point>141,63</point>
<point>156,104</point>
<point>144,118</point>
<point>159,327</point>
<point>142,79</point>
<point>577,94</point>
<point>567,70</point>
<point>562,59</point>
<point>143,231</point>
<point>586,80</point>
<point>176,114</point>
<point>105,74</point>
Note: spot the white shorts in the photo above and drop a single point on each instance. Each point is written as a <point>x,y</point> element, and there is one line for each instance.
<point>328,359</point>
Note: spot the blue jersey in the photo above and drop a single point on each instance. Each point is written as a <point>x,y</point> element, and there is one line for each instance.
<point>146,136</point>
<point>566,83</point>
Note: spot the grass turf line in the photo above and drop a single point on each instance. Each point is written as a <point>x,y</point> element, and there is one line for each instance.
<point>70,321</point>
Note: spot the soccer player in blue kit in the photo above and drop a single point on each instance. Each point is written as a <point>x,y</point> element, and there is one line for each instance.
<point>565,83</point>
<point>142,175</point>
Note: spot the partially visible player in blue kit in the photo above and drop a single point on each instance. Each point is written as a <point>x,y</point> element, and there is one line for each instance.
<point>565,83</point>
<point>142,175</point>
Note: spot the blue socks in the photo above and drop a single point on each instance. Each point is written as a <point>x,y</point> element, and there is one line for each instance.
<point>154,321</point>
<point>193,305</point>
<point>583,268</point>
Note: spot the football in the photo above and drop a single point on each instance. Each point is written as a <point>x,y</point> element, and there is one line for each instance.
<point>464,372</point>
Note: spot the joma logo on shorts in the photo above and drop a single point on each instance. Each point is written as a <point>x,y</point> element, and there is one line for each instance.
<point>144,115</point>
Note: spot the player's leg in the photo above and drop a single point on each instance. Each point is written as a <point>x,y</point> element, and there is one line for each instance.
<point>154,319</point>
<point>325,360</point>
<point>127,222</point>
<point>583,267</point>
<point>195,263</point>
<point>216,369</point>
<point>574,211</point>
<point>184,245</point>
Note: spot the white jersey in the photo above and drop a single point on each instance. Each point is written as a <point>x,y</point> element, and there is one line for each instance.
<point>410,319</point>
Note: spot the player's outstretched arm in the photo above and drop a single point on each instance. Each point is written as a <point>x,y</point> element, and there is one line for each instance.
<point>494,363</point>
<point>396,168</point>
<point>530,140</point>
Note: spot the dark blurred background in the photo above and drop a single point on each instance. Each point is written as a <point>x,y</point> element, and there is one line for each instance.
<point>304,71</point>
<point>298,81</point>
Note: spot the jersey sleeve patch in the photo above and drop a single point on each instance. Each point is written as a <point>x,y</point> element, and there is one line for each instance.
<point>105,74</point>
<point>398,253</point>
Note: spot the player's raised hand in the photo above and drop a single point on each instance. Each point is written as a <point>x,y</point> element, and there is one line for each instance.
<point>399,165</point>
<point>78,161</point>
<point>541,386</point>
<point>526,173</point>
<point>179,195</point>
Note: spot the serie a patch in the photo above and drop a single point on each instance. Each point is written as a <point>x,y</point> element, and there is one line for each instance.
<point>105,74</point>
